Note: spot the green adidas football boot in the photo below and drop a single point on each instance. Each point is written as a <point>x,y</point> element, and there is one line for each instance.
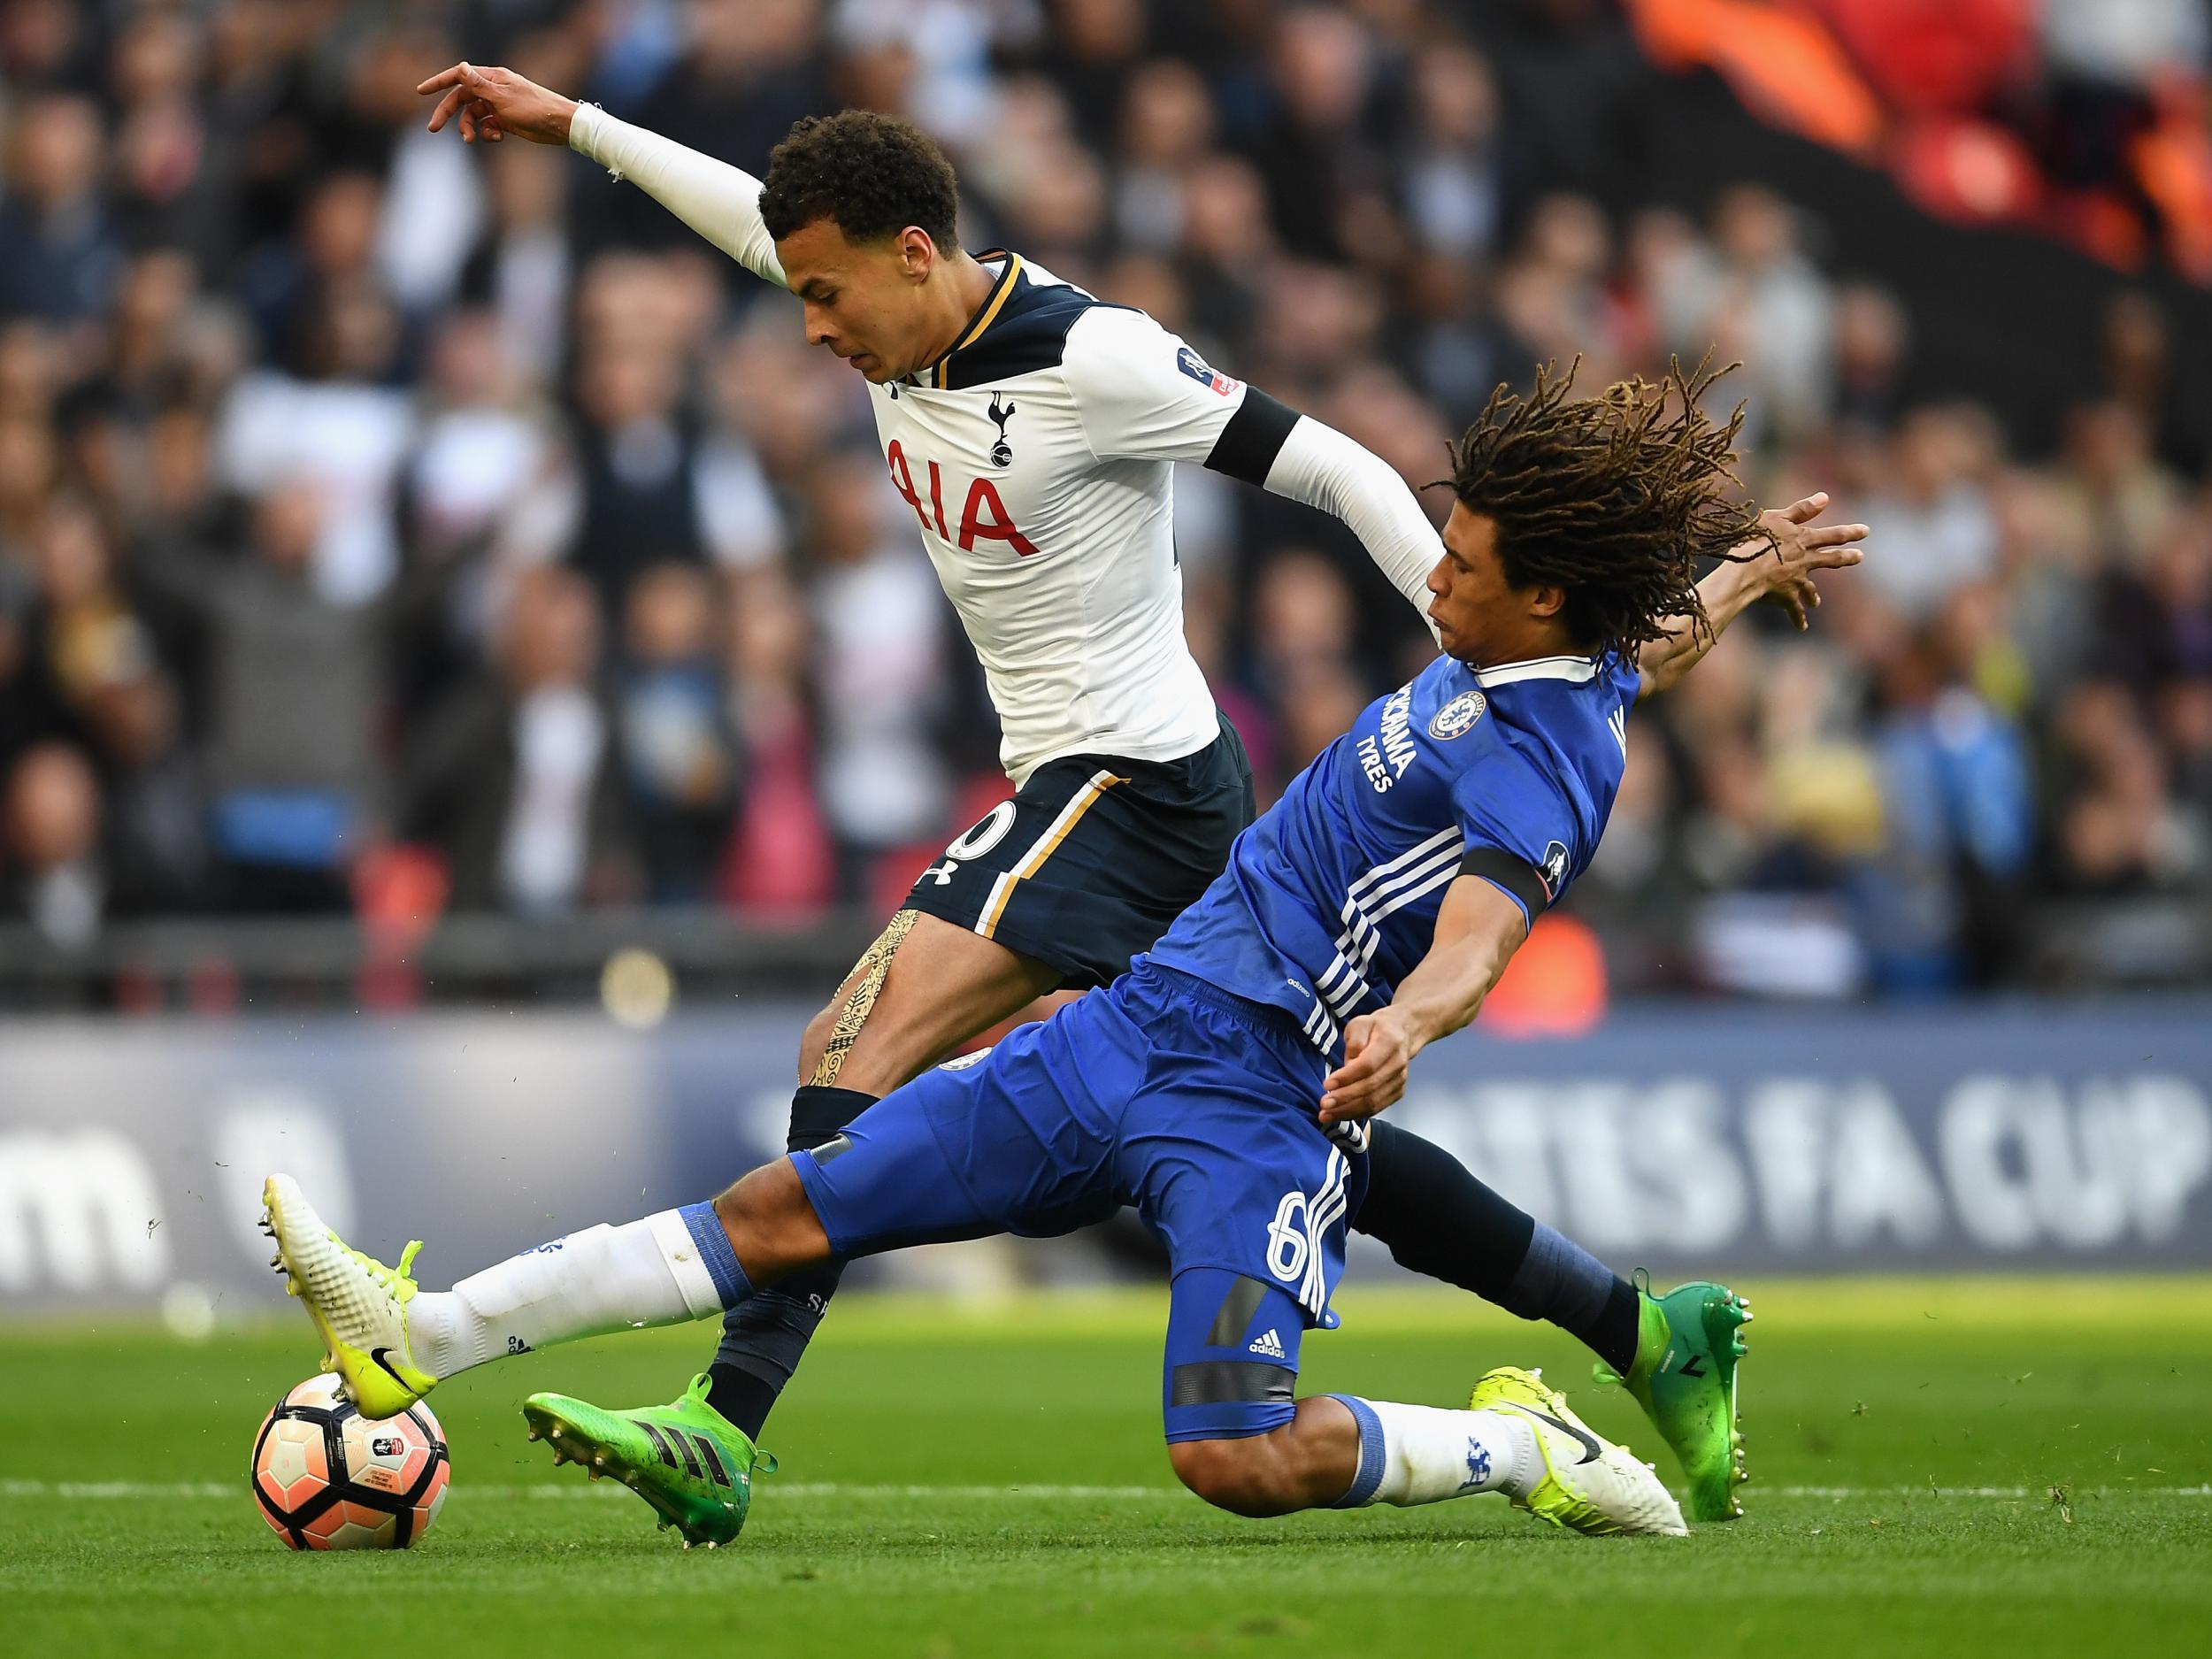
<point>688,1461</point>
<point>1687,1344</point>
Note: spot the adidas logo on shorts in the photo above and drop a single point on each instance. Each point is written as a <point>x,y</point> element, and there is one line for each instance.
<point>1268,1345</point>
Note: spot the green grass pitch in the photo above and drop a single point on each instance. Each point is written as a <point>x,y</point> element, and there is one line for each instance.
<point>2017,1467</point>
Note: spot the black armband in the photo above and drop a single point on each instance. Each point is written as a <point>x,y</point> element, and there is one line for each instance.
<point>1254,437</point>
<point>1517,876</point>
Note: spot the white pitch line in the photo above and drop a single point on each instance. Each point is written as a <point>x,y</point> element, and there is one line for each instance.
<point>838,1489</point>
<point>108,1490</point>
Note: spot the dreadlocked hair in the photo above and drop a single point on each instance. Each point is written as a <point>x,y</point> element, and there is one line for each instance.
<point>1612,498</point>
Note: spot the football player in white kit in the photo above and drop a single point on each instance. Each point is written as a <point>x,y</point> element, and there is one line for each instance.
<point>1031,428</point>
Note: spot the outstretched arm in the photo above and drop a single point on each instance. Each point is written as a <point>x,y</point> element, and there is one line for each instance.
<point>1776,569</point>
<point>721,202</point>
<point>1143,393</point>
<point>1478,929</point>
<point>1323,468</point>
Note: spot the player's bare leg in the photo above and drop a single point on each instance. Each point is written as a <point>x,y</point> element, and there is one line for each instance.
<point>925,987</point>
<point>1516,1436</point>
<point>938,987</point>
<point>685,1459</point>
<point>391,1342</point>
<point>922,990</point>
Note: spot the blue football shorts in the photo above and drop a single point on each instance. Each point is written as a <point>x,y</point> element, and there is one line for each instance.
<point>1162,1091</point>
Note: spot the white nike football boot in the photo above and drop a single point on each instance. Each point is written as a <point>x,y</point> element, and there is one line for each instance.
<point>1589,1485</point>
<point>359,1305</point>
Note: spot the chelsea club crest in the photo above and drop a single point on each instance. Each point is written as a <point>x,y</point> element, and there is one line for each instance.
<point>1458,716</point>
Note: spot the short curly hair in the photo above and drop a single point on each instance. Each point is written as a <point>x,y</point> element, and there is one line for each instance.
<point>872,175</point>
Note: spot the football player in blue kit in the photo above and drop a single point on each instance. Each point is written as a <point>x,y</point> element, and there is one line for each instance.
<point>1221,1085</point>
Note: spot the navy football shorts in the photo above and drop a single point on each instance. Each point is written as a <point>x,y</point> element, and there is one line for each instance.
<point>1088,862</point>
<point>1162,1091</point>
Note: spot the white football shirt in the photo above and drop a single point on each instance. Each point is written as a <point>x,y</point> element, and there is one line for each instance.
<point>1037,455</point>
<point>1037,458</point>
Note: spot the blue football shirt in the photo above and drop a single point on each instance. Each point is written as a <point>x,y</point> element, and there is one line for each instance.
<point>1332,894</point>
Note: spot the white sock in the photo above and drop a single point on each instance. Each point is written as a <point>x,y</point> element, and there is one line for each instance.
<point>1413,1455</point>
<point>660,1271</point>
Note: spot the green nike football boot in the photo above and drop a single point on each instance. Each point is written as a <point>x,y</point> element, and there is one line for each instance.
<point>1687,1344</point>
<point>687,1460</point>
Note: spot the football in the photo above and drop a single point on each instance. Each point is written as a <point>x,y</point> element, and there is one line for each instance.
<point>326,1477</point>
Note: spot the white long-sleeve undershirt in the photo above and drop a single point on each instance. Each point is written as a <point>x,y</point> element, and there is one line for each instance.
<point>1323,468</point>
<point>721,202</point>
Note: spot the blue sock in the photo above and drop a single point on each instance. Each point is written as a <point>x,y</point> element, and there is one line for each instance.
<point>705,1227</point>
<point>1373,1454</point>
<point>1561,1281</point>
<point>763,1339</point>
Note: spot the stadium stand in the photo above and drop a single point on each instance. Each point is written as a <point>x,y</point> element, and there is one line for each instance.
<point>392,531</point>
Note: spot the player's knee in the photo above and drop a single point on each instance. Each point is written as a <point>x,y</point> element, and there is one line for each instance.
<point>1245,1476</point>
<point>772,1225</point>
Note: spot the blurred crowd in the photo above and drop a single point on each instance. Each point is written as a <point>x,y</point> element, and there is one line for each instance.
<point>385,522</point>
<point>2084,120</point>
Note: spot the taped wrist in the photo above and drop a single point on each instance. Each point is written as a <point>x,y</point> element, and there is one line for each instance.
<point>819,1113</point>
